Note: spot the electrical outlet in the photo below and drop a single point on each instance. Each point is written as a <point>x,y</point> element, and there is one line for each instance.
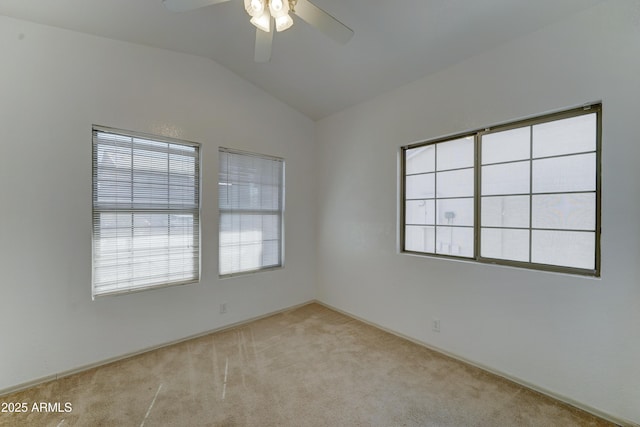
<point>223,308</point>
<point>435,325</point>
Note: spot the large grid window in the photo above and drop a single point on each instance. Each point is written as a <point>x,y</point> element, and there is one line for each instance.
<point>251,208</point>
<point>523,194</point>
<point>146,204</point>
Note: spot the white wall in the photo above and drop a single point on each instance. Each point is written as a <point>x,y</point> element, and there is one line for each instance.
<point>573,336</point>
<point>54,85</point>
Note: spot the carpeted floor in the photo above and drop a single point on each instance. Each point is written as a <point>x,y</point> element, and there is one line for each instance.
<point>306,367</point>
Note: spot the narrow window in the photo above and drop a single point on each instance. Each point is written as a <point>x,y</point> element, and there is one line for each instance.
<point>146,210</point>
<point>528,197</point>
<point>251,212</point>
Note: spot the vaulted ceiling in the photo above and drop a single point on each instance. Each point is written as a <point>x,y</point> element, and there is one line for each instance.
<point>395,42</point>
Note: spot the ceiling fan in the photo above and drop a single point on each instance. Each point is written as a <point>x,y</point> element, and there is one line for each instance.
<point>264,13</point>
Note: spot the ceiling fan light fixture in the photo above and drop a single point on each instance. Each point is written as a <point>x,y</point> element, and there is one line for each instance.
<point>279,8</point>
<point>262,22</point>
<point>275,5</point>
<point>261,12</point>
<point>255,7</point>
<point>283,22</point>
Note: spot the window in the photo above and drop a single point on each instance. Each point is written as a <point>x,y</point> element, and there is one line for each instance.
<point>524,194</point>
<point>146,210</point>
<point>251,205</point>
<point>439,188</point>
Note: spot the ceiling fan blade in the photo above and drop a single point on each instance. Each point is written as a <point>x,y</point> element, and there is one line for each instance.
<point>324,22</point>
<point>185,5</point>
<point>264,41</point>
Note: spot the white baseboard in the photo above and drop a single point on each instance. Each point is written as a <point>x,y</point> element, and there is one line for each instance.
<point>519,381</point>
<point>57,376</point>
<point>564,399</point>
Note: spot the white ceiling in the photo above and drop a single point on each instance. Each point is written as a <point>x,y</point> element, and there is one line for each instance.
<point>395,42</point>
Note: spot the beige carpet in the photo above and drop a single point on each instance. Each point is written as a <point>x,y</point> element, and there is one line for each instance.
<point>306,367</point>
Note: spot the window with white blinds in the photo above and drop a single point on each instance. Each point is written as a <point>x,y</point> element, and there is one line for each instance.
<point>251,205</point>
<point>146,212</point>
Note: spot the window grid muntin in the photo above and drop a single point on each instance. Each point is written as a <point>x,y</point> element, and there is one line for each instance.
<point>596,109</point>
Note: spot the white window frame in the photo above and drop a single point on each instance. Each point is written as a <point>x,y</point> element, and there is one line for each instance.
<point>596,109</point>
<point>250,261</point>
<point>148,244</point>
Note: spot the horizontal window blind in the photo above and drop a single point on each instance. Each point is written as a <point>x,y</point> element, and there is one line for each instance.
<point>146,203</point>
<point>251,205</point>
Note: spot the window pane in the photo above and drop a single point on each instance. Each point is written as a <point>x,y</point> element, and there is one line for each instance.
<point>420,160</point>
<point>134,250</point>
<point>455,154</point>
<point>250,190</point>
<point>229,229</point>
<point>419,239</point>
<point>420,212</point>
<point>455,212</point>
<point>564,248</point>
<point>270,254</point>
<point>505,244</point>
<point>420,186</point>
<point>565,211</point>
<point>572,135</point>
<point>113,170</point>
<point>455,241</point>
<point>146,208</point>
<point>248,242</point>
<point>562,174</point>
<point>508,211</point>
<point>509,145</point>
<point>250,229</point>
<point>271,225</point>
<point>509,178</point>
<point>229,259</point>
<point>459,183</point>
<point>269,197</point>
<point>250,257</point>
